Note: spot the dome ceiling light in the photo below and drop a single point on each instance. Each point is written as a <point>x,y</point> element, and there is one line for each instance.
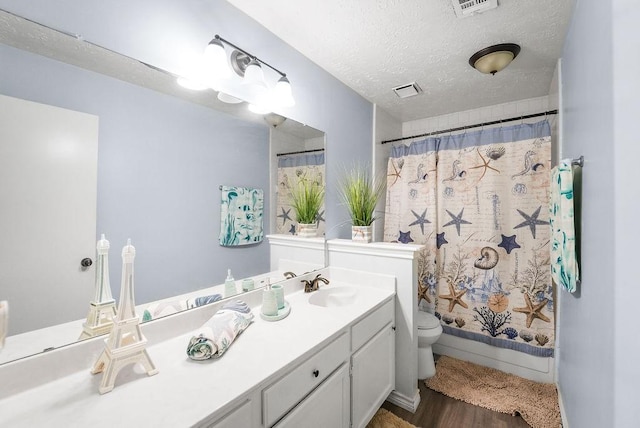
<point>494,58</point>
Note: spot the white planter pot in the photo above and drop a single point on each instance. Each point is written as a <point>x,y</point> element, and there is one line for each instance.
<point>307,230</point>
<point>361,233</point>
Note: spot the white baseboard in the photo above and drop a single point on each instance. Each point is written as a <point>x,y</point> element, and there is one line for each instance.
<point>407,403</point>
<point>563,415</point>
<point>539,369</point>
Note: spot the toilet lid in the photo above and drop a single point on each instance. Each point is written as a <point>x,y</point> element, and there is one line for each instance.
<point>427,320</point>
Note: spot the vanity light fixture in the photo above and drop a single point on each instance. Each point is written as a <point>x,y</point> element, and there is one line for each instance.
<point>250,69</point>
<point>494,58</point>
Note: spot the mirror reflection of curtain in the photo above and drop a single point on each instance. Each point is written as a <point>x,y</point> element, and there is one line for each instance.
<point>479,203</point>
<point>291,168</point>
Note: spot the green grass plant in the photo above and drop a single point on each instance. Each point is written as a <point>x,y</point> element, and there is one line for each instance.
<point>360,193</point>
<point>307,197</point>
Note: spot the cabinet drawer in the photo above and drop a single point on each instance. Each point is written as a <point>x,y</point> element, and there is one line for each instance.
<point>373,323</point>
<point>283,395</point>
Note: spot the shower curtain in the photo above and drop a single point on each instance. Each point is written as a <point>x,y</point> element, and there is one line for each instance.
<point>479,203</point>
<point>291,168</point>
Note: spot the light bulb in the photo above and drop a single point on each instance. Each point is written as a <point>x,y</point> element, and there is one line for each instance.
<point>282,93</point>
<point>229,99</point>
<point>216,59</point>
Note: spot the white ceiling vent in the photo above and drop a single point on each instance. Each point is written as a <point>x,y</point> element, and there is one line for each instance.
<point>408,90</point>
<point>471,7</point>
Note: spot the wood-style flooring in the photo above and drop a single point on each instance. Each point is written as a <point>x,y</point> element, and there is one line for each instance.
<point>439,411</point>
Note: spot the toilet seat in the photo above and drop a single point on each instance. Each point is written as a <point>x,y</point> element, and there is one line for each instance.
<point>427,321</point>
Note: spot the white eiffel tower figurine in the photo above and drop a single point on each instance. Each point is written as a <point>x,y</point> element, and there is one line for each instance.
<point>126,344</point>
<point>102,309</point>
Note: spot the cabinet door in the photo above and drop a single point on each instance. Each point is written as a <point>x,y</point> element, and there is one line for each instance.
<point>373,376</point>
<point>326,406</point>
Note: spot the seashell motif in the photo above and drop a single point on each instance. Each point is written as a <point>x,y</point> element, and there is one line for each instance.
<point>498,302</point>
<point>526,336</point>
<point>488,260</point>
<point>460,322</point>
<point>542,339</point>
<point>511,332</point>
<point>437,314</point>
<point>495,153</point>
<point>447,319</point>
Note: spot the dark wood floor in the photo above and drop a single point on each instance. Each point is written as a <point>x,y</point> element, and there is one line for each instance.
<point>439,411</point>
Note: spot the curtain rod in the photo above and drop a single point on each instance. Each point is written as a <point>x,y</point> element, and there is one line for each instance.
<point>477,125</point>
<point>300,152</point>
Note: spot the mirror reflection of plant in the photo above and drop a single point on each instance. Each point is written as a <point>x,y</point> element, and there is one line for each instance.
<point>307,197</point>
<point>360,192</point>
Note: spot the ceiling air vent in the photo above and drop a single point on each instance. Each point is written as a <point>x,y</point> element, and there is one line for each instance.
<point>471,7</point>
<point>408,90</point>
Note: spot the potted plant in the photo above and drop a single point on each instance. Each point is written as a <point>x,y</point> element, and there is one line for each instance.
<point>307,197</point>
<point>360,193</point>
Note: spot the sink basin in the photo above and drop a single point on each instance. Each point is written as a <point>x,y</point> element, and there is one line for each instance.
<point>334,296</point>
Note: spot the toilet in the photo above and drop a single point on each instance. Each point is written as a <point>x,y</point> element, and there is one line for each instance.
<point>429,331</point>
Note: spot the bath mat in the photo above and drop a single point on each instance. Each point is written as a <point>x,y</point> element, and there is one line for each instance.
<point>492,389</point>
<point>385,419</point>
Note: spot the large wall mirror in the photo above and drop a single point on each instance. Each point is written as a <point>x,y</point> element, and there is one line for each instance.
<point>136,156</point>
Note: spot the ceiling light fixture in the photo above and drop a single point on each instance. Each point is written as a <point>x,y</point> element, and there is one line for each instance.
<point>494,58</point>
<point>261,97</point>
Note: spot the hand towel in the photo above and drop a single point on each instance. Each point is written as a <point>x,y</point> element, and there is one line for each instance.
<point>216,335</point>
<point>564,263</point>
<point>161,309</point>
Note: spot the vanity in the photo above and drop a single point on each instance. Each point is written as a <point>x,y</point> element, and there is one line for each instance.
<point>330,363</point>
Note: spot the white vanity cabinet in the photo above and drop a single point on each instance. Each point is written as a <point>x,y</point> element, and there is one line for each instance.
<point>346,382</point>
<point>327,406</point>
<point>290,389</point>
<point>372,363</point>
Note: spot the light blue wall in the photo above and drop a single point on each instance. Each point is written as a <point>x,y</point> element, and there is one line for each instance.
<point>160,163</point>
<point>598,368</point>
<point>626,146</point>
<point>164,32</point>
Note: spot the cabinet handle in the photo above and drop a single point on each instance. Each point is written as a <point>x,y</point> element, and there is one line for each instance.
<point>316,373</point>
<point>393,328</point>
<point>86,262</point>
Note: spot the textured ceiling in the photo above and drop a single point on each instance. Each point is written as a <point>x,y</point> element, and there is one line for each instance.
<point>375,45</point>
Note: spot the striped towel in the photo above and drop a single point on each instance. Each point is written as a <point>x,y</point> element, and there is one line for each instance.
<point>564,263</point>
<point>216,335</point>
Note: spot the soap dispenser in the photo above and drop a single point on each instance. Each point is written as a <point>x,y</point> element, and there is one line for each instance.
<point>230,285</point>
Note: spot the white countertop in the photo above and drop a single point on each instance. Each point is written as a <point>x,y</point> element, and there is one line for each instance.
<point>184,391</point>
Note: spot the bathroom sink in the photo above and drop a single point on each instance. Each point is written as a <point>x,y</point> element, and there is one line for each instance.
<point>334,296</point>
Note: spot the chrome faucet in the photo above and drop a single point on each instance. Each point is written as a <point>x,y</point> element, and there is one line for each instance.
<point>289,275</point>
<point>313,285</point>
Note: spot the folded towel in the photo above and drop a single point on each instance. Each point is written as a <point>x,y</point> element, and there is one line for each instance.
<point>217,334</point>
<point>564,263</point>
<point>161,309</point>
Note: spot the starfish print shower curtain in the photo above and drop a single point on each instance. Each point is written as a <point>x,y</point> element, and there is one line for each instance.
<point>291,169</point>
<point>479,204</point>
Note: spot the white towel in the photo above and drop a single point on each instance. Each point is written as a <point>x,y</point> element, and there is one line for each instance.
<point>564,263</point>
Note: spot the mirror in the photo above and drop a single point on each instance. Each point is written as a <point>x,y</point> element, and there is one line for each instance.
<point>161,155</point>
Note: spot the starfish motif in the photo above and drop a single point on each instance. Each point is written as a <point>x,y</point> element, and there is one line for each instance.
<point>440,241</point>
<point>293,229</point>
<point>395,173</point>
<point>485,165</point>
<point>457,220</point>
<point>454,297</point>
<point>420,219</point>
<point>531,221</point>
<point>285,215</point>
<point>320,218</point>
<point>405,237</point>
<point>533,311</point>
<point>509,243</point>
<point>422,293</point>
